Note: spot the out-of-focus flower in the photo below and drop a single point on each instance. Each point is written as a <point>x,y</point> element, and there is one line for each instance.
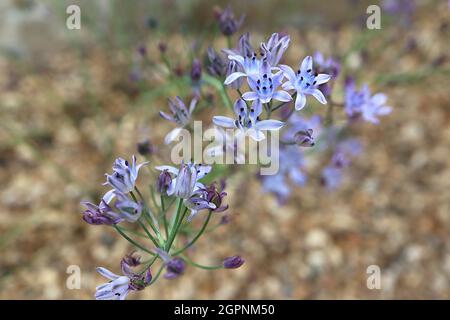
<point>400,8</point>
<point>218,64</point>
<point>214,195</point>
<point>175,267</point>
<point>162,46</point>
<point>233,262</point>
<point>360,104</point>
<point>129,261</point>
<point>304,138</point>
<point>196,70</point>
<point>123,178</point>
<point>332,174</point>
<point>292,165</point>
<point>305,82</point>
<point>329,66</point>
<point>228,24</point>
<point>265,84</point>
<point>180,115</point>
<point>248,120</point>
<point>142,50</point>
<point>145,147</point>
<point>299,127</point>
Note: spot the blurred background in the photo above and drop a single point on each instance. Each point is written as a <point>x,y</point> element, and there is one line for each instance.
<point>71,101</point>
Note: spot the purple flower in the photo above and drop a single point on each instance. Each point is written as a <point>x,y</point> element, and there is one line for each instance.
<point>174,266</point>
<point>196,70</point>
<point>332,174</point>
<point>360,104</point>
<point>274,48</point>
<point>180,115</point>
<point>145,147</point>
<point>102,214</point>
<point>123,178</point>
<point>248,120</point>
<point>298,129</point>
<point>218,64</point>
<point>329,66</point>
<point>265,84</point>
<point>305,82</point>
<point>233,68</point>
<point>233,262</point>
<point>214,195</point>
<point>228,24</point>
<point>304,138</point>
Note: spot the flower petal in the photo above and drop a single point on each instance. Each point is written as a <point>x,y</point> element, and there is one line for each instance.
<point>269,125</point>
<point>106,273</point>
<point>300,101</point>
<point>288,72</point>
<point>282,96</point>
<point>316,93</point>
<point>170,169</point>
<point>306,64</point>
<point>223,122</point>
<point>322,78</point>
<point>233,77</point>
<point>250,96</point>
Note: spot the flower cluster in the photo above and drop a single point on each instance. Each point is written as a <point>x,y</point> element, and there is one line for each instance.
<point>269,97</point>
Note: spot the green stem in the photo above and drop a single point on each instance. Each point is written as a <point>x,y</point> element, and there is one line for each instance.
<point>149,234</point>
<point>132,241</point>
<point>166,227</point>
<point>157,274</point>
<point>195,264</point>
<point>205,224</point>
<point>174,226</point>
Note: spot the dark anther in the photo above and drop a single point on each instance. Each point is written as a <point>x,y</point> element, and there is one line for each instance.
<point>265,75</point>
<point>126,163</point>
<point>264,88</point>
<point>314,83</point>
<point>309,70</point>
<point>258,82</point>
<point>301,78</point>
<point>252,110</point>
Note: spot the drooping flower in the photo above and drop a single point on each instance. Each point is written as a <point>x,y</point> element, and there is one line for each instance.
<point>123,178</point>
<point>264,85</point>
<point>116,289</point>
<point>212,194</point>
<point>305,82</point>
<point>304,138</point>
<point>102,214</point>
<point>248,121</point>
<point>303,131</point>
<point>164,181</point>
<point>180,115</point>
<point>175,267</point>
<point>228,24</point>
<point>360,104</point>
<point>196,70</point>
<point>233,262</point>
<point>129,210</point>
<point>329,66</point>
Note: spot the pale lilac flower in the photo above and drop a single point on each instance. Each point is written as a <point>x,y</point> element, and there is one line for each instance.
<point>264,85</point>
<point>116,289</point>
<point>329,66</point>
<point>249,64</point>
<point>123,178</point>
<point>274,48</point>
<point>129,210</point>
<point>305,82</point>
<point>304,138</point>
<point>299,127</point>
<point>233,68</point>
<point>248,121</point>
<point>218,63</point>
<point>360,104</point>
<point>164,181</point>
<point>180,115</point>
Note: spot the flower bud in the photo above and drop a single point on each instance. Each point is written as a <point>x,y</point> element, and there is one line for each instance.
<point>164,181</point>
<point>196,70</point>
<point>233,262</point>
<point>304,138</point>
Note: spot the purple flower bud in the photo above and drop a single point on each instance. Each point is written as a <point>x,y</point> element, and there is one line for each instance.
<point>164,181</point>
<point>148,276</point>
<point>233,262</point>
<point>142,50</point>
<point>196,70</point>
<point>213,195</point>
<point>304,138</point>
<point>228,24</point>
<point>175,267</point>
<point>101,214</point>
<point>162,46</point>
<point>145,147</point>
